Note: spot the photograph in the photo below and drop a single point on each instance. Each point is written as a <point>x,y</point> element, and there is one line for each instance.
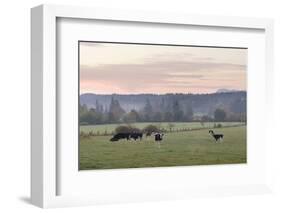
<point>147,105</point>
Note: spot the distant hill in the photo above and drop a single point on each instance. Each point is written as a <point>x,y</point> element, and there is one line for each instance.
<point>226,90</point>
<point>232,101</point>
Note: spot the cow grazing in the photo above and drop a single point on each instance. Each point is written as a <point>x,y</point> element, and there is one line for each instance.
<point>136,135</point>
<point>119,136</point>
<point>128,136</point>
<point>216,136</point>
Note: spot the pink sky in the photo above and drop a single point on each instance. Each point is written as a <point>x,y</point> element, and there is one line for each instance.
<point>107,68</point>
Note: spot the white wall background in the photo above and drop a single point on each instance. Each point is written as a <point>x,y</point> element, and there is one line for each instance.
<point>15,104</point>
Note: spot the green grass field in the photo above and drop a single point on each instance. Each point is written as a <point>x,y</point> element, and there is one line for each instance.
<point>177,149</point>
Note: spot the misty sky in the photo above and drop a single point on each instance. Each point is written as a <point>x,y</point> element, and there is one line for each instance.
<point>107,68</point>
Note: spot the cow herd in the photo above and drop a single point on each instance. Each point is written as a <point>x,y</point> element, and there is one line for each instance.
<point>158,137</point>
<point>136,136</point>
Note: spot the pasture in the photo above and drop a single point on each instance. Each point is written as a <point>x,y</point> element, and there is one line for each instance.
<point>179,148</point>
<point>109,128</point>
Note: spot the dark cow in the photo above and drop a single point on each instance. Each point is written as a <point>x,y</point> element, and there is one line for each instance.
<point>119,136</point>
<point>158,136</point>
<point>136,135</point>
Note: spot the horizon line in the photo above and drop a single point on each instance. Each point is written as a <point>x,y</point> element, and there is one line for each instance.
<point>235,91</point>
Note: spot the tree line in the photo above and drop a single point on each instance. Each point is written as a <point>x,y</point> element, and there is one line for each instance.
<point>174,112</point>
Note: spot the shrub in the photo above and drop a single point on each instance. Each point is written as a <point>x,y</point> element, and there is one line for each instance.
<point>134,129</point>
<point>83,134</point>
<point>151,128</point>
<point>217,125</point>
<point>122,129</point>
<point>126,129</point>
<point>91,133</point>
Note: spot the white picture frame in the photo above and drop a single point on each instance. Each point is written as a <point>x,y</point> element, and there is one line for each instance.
<point>44,149</point>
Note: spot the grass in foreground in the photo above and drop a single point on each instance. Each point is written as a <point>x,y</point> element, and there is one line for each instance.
<point>177,149</point>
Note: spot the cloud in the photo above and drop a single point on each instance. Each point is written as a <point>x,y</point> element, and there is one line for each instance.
<point>168,56</point>
<point>162,76</point>
<point>204,58</point>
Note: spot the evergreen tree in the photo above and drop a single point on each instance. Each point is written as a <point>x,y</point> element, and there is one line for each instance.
<point>168,116</point>
<point>147,111</point>
<point>99,107</point>
<point>219,115</point>
<point>188,113</point>
<point>177,112</point>
<point>132,117</point>
<point>115,111</point>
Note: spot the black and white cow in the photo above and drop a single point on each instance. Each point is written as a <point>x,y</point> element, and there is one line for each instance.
<point>158,136</point>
